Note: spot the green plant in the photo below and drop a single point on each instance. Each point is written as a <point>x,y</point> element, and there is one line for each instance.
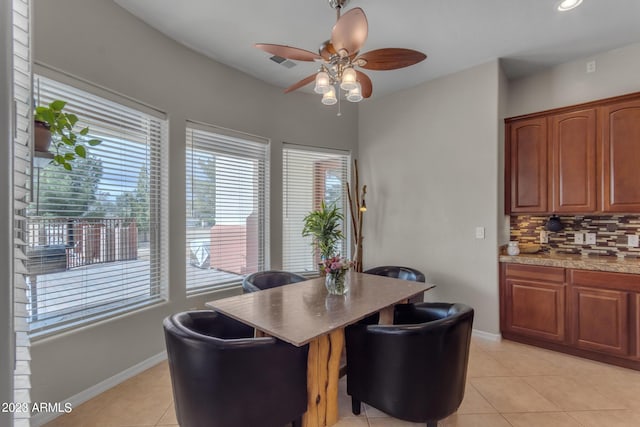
<point>323,225</point>
<point>68,144</point>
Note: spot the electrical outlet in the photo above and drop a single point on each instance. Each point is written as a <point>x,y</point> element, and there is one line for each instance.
<point>544,236</point>
<point>578,239</point>
<point>479,232</point>
<point>591,66</point>
<point>632,240</point>
<point>590,238</point>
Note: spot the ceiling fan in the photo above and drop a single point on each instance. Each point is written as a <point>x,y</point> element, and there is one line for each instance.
<point>339,56</point>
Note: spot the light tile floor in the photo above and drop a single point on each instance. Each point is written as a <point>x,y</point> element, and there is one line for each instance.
<point>508,385</point>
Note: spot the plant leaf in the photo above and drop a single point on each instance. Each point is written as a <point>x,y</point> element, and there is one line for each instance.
<point>66,140</point>
<point>81,151</point>
<point>94,142</point>
<point>47,115</point>
<point>84,131</point>
<point>72,118</point>
<point>67,166</point>
<point>69,156</point>
<point>57,105</point>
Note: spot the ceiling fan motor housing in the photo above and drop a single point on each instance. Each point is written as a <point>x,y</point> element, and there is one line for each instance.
<point>335,4</point>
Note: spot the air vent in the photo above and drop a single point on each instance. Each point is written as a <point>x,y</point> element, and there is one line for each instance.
<point>282,61</point>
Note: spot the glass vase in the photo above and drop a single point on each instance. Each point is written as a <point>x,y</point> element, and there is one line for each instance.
<point>337,283</point>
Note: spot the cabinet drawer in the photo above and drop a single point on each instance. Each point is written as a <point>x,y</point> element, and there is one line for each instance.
<point>604,280</point>
<point>535,272</point>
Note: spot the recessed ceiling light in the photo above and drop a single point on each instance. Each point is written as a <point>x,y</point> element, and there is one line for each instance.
<point>568,5</point>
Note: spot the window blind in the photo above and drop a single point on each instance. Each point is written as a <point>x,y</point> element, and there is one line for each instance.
<point>97,235</point>
<point>227,206</point>
<point>21,194</point>
<point>310,175</point>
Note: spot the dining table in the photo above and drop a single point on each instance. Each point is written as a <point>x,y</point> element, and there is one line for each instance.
<point>305,313</point>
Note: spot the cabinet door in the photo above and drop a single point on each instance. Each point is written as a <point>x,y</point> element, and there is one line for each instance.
<point>600,320</point>
<point>535,309</point>
<point>573,161</point>
<point>527,148</point>
<point>636,302</point>
<point>621,157</point>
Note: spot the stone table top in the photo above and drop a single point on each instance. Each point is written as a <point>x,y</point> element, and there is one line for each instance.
<point>300,312</point>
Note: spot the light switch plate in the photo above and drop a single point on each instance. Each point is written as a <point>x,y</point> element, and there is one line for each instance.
<point>632,240</point>
<point>590,238</point>
<point>479,232</point>
<point>578,239</point>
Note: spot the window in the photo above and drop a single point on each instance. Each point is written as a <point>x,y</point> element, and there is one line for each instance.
<point>227,206</point>
<point>97,234</point>
<point>310,175</point>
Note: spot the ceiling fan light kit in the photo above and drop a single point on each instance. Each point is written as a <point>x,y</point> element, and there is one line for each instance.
<point>339,57</point>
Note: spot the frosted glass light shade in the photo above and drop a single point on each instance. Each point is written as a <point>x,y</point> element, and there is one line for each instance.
<point>348,79</point>
<point>355,94</point>
<point>567,5</point>
<point>322,82</point>
<point>329,98</point>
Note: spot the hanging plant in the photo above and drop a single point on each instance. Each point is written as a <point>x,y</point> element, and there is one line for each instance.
<point>67,143</point>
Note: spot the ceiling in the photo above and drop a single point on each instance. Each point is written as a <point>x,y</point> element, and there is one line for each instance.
<point>455,34</point>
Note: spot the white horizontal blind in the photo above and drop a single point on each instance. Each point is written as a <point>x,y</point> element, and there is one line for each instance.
<point>97,234</point>
<point>21,192</point>
<point>227,205</point>
<point>310,176</point>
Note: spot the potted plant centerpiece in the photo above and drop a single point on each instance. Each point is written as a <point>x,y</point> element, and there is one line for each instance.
<point>323,225</point>
<point>53,124</point>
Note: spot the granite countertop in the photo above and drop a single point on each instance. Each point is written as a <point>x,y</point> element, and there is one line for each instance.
<point>597,263</point>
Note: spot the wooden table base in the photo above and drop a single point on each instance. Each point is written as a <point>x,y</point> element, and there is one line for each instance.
<point>323,370</point>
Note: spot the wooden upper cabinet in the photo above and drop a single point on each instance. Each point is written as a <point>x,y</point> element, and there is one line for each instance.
<point>527,151</point>
<point>621,157</point>
<point>573,161</point>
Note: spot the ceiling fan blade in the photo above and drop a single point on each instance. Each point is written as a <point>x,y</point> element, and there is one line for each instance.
<point>389,59</point>
<point>301,83</point>
<point>350,32</point>
<point>288,52</point>
<point>365,84</point>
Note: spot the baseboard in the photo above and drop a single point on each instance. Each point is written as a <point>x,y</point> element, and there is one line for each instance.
<point>43,417</point>
<point>486,335</point>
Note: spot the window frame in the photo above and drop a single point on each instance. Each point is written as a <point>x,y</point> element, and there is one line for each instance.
<point>157,160</point>
<point>238,138</point>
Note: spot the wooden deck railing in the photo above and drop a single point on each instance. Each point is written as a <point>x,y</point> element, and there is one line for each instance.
<point>86,240</point>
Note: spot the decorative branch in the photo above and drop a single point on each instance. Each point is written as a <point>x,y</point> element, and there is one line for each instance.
<point>357,208</point>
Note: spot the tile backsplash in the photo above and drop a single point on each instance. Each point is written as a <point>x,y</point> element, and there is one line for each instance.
<point>611,233</point>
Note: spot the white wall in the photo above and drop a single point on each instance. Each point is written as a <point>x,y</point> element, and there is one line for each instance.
<point>100,42</point>
<point>617,73</point>
<point>429,157</point>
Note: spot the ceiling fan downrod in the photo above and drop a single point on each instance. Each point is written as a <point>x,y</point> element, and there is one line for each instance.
<point>338,5</point>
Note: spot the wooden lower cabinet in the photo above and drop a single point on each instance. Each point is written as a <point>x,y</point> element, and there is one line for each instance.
<point>587,313</point>
<point>600,320</point>
<point>536,309</point>
<point>534,301</point>
<point>636,316</point>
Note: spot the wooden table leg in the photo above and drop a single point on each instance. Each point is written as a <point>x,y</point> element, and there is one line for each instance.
<point>323,370</point>
<point>386,315</point>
